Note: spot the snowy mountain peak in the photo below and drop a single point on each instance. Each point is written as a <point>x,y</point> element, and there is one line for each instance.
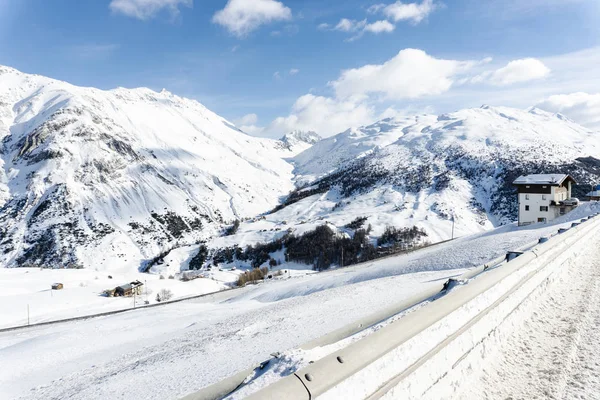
<point>473,154</point>
<point>297,141</point>
<point>298,136</point>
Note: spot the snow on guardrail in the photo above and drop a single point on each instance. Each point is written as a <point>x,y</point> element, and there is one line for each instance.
<point>227,386</point>
<point>425,329</point>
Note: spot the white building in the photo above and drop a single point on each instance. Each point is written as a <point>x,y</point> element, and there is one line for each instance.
<point>543,198</point>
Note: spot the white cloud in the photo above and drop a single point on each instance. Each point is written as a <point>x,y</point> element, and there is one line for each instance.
<point>248,124</point>
<point>147,9</point>
<point>360,27</point>
<point>380,27</point>
<point>252,129</point>
<point>363,95</point>
<point>277,75</point>
<point>519,71</point>
<point>410,74</point>
<point>584,108</point>
<point>240,17</point>
<point>294,71</point>
<point>350,25</point>
<point>413,12</point>
<point>324,115</point>
<point>323,27</point>
<point>375,8</point>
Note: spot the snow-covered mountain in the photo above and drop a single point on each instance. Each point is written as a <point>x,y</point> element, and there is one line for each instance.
<point>93,178</point>
<point>111,179</point>
<point>299,141</point>
<point>334,152</point>
<point>423,170</point>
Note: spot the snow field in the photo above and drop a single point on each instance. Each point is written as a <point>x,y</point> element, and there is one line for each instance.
<point>292,360</point>
<point>195,343</point>
<point>188,345</point>
<point>23,288</point>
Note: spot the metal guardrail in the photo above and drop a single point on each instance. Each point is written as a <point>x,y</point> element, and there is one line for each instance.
<point>227,386</point>
<point>322,375</point>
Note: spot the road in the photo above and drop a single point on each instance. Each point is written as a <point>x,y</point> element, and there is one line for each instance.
<point>551,350</point>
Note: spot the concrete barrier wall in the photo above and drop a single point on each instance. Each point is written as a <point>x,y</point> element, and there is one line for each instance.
<point>329,372</point>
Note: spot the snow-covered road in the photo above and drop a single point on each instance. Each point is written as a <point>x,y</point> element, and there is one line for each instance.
<point>555,351</point>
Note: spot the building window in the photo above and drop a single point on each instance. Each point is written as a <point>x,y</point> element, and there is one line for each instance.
<point>526,208</point>
<point>544,208</point>
<point>526,197</point>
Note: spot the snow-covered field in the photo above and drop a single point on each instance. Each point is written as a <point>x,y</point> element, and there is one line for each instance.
<point>169,351</point>
<point>23,288</point>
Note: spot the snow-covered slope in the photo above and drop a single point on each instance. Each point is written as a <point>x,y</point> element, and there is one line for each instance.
<point>422,170</point>
<point>108,179</point>
<point>99,358</point>
<point>474,154</point>
<point>333,152</point>
<point>111,179</point>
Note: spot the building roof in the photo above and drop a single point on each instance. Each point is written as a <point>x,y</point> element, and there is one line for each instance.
<point>595,193</point>
<point>542,179</point>
<point>131,285</point>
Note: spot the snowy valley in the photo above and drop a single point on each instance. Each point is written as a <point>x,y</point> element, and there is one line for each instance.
<point>100,188</point>
<point>129,181</point>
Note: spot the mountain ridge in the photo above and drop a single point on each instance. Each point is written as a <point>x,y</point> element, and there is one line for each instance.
<point>440,174</point>
<point>113,179</point>
<point>131,170</point>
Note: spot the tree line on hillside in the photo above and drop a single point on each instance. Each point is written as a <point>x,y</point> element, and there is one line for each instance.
<point>321,247</point>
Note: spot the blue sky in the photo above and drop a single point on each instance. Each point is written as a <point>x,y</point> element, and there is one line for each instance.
<point>271,66</point>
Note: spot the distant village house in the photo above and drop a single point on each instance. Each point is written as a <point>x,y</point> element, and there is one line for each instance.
<point>545,197</point>
<point>126,290</point>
